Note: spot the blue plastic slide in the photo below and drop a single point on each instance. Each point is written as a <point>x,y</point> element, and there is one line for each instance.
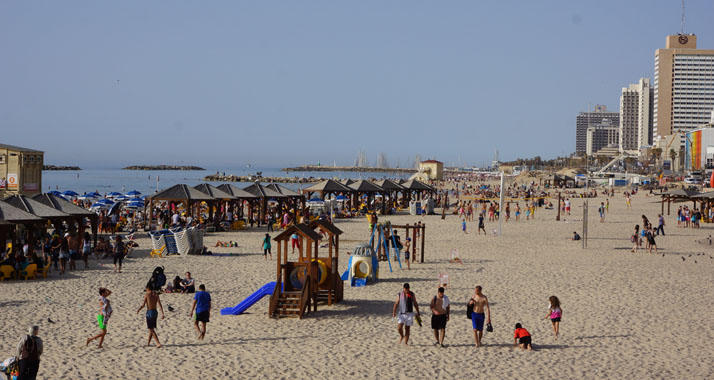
<point>264,290</point>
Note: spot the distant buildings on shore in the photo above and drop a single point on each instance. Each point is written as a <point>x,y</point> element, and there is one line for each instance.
<point>655,116</point>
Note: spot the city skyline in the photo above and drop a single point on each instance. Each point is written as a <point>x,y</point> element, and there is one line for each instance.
<point>106,85</point>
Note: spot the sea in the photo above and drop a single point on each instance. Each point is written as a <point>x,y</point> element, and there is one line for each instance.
<point>148,182</point>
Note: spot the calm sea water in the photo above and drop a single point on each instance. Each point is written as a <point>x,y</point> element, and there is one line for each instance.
<point>145,181</point>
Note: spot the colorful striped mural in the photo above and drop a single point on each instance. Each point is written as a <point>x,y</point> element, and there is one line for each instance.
<point>694,150</point>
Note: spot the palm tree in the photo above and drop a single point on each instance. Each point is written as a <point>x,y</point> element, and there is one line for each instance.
<point>656,153</point>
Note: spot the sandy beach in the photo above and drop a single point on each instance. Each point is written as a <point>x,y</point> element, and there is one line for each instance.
<point>626,315</point>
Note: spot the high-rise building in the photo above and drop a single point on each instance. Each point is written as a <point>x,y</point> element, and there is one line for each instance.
<point>683,85</point>
<point>601,135</point>
<point>636,104</point>
<point>599,116</point>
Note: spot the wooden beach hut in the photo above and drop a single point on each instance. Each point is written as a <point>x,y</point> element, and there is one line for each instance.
<point>679,195</point>
<point>240,197</point>
<point>179,194</point>
<point>265,194</point>
<point>369,189</point>
<point>393,189</point>
<point>12,214</point>
<point>221,200</point>
<point>67,207</point>
<point>36,208</point>
<point>416,190</point>
<point>295,200</point>
<point>326,188</point>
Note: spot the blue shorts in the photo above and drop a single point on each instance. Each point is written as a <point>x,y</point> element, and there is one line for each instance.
<point>477,320</point>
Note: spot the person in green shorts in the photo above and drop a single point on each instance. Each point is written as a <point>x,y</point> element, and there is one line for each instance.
<point>105,312</point>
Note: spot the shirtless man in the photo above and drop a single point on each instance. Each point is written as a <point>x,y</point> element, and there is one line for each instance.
<point>479,302</point>
<point>151,299</point>
<point>73,243</point>
<point>440,310</point>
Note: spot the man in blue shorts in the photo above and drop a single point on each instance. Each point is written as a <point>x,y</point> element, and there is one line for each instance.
<point>151,300</point>
<point>481,313</point>
<point>202,306</point>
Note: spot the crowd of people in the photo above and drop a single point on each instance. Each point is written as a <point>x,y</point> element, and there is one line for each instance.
<point>478,311</point>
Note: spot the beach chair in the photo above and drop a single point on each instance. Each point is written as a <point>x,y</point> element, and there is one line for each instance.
<point>29,272</point>
<point>6,272</point>
<point>183,241</point>
<point>197,240</point>
<point>44,270</point>
<point>158,244</point>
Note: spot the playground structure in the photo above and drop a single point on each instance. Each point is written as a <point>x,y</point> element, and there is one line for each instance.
<point>363,264</point>
<point>310,280</point>
<point>304,283</point>
<point>417,233</point>
<point>362,267</point>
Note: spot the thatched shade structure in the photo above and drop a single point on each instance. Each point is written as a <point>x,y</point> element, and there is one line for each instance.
<point>416,190</point>
<point>67,207</point>
<point>240,196</point>
<point>679,195</point>
<point>327,187</point>
<point>180,193</point>
<point>297,199</point>
<point>265,194</point>
<point>16,215</point>
<point>365,187</point>
<point>220,196</point>
<point>43,211</point>
<point>392,188</point>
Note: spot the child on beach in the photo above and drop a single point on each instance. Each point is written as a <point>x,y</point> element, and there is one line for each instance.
<point>522,338</point>
<point>105,311</point>
<point>407,245</point>
<point>266,247</point>
<point>555,313</point>
<point>463,226</point>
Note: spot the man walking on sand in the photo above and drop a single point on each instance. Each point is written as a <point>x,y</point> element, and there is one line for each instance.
<point>28,354</point>
<point>202,305</point>
<point>440,310</point>
<point>479,303</point>
<point>151,299</point>
<point>405,305</point>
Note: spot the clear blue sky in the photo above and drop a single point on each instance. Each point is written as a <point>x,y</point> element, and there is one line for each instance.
<point>222,83</point>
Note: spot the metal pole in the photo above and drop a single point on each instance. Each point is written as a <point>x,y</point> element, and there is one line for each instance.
<point>500,208</point>
<point>585,224</point>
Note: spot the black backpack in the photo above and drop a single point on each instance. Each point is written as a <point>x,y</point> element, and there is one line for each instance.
<point>157,280</point>
<point>30,350</point>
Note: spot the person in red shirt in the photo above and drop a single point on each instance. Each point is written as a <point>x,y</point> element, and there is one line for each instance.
<point>522,338</point>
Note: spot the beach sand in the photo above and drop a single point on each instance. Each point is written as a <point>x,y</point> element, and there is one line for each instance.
<point>626,315</point>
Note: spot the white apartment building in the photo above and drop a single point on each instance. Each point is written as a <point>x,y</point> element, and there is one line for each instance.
<point>636,104</point>
<point>683,85</point>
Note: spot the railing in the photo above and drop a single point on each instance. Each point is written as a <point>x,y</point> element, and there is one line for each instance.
<point>274,299</point>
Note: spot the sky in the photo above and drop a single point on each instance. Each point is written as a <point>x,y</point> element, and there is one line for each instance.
<point>104,84</point>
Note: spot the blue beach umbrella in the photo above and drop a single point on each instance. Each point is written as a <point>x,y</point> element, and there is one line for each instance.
<point>114,194</point>
<point>341,198</point>
<point>121,198</point>
<point>99,205</point>
<point>135,204</point>
<point>55,192</point>
<point>95,195</point>
<point>107,202</point>
<point>70,193</point>
<point>133,193</point>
